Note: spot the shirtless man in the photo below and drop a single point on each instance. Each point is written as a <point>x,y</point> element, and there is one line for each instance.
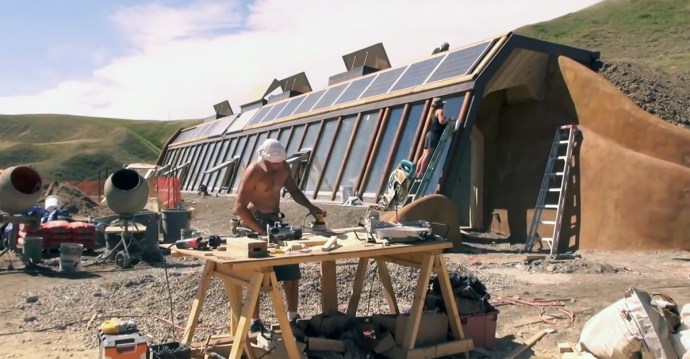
<point>258,205</point>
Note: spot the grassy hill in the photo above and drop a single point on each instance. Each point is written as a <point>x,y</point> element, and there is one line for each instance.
<point>64,147</point>
<point>655,33</point>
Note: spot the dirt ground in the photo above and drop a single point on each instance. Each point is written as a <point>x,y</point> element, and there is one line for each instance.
<point>584,285</point>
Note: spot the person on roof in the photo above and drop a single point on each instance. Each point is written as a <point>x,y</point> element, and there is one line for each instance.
<point>442,48</point>
<point>433,135</point>
<point>258,206</point>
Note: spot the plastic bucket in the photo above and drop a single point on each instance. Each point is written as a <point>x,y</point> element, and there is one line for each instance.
<point>33,249</point>
<point>52,203</point>
<point>172,222</point>
<point>345,193</point>
<point>70,257</point>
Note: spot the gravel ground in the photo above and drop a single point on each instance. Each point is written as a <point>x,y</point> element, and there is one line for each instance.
<point>143,293</point>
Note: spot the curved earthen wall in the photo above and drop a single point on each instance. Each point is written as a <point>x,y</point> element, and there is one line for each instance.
<point>630,184</point>
<point>635,169</point>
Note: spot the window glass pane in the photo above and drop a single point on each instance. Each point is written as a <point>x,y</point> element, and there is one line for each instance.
<point>208,163</point>
<point>310,137</point>
<point>246,157</point>
<point>284,136</point>
<point>334,163</point>
<point>201,163</point>
<point>192,161</point>
<point>360,146</point>
<point>294,140</point>
<point>407,138</point>
<point>262,137</point>
<point>219,159</point>
<point>273,134</point>
<point>379,163</point>
<point>319,154</point>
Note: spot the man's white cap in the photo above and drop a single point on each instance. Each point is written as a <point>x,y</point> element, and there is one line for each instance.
<point>272,151</point>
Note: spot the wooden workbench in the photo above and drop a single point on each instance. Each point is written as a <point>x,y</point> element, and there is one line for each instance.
<point>256,274</point>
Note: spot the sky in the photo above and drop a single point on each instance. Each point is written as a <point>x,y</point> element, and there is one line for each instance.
<point>175,59</point>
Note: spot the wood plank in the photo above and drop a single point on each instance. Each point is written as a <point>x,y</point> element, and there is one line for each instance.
<point>247,247</point>
<point>388,290</point>
<point>357,286</point>
<point>347,251</point>
<point>329,287</point>
<point>281,315</point>
<point>448,297</point>
<point>418,302</point>
<point>240,337</point>
<point>198,302</point>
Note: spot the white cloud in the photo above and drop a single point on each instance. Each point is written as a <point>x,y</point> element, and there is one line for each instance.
<point>183,60</point>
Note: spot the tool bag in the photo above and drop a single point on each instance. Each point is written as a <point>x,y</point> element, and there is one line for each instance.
<point>629,328</point>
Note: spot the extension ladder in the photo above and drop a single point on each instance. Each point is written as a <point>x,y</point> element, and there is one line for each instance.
<point>419,185</point>
<point>554,182</point>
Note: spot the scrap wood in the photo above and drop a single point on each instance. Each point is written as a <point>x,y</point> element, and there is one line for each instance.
<point>530,342</point>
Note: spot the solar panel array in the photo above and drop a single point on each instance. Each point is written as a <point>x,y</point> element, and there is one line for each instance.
<point>205,130</point>
<point>442,67</point>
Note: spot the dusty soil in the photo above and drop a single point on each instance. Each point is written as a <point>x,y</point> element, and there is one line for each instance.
<point>49,313</point>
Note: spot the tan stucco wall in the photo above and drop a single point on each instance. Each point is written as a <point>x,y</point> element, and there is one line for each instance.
<point>631,187</point>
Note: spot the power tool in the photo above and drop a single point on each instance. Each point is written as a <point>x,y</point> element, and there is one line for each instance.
<point>212,241</point>
<point>283,232</point>
<point>319,221</point>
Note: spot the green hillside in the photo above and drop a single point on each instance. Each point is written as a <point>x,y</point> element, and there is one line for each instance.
<point>655,33</point>
<point>64,147</point>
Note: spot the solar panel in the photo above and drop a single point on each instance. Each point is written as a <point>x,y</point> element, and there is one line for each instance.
<point>417,73</point>
<point>459,62</point>
<point>271,115</point>
<point>259,115</point>
<point>330,96</point>
<point>383,82</point>
<point>352,93</point>
<point>291,106</point>
<point>309,102</point>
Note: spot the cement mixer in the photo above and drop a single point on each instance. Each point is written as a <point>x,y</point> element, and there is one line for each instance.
<point>20,188</point>
<point>126,193</point>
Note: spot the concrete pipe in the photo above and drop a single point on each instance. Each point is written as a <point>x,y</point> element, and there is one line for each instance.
<point>20,188</point>
<point>126,192</point>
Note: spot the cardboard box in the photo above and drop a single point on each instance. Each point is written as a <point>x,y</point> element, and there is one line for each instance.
<point>433,329</point>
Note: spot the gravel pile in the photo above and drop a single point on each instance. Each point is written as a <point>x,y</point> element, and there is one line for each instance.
<point>656,91</point>
<point>143,295</point>
<point>577,265</point>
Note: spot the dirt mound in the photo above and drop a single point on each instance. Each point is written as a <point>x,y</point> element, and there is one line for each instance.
<point>75,201</point>
<point>656,91</point>
<point>567,266</point>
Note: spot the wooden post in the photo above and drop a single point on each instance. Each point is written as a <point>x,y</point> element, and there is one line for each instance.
<point>198,302</point>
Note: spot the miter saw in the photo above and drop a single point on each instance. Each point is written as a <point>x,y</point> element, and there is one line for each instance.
<point>398,186</point>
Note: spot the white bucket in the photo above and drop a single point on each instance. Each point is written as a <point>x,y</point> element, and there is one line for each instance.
<point>70,257</point>
<point>52,203</point>
<point>345,193</point>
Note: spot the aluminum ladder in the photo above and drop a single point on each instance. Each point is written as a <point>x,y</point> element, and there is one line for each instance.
<point>554,182</point>
<point>419,185</point>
